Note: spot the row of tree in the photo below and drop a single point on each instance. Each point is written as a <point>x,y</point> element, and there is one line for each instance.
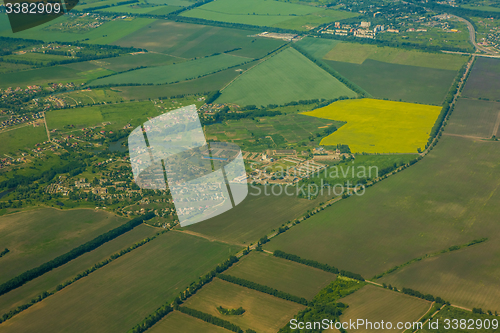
<point>418,294</point>
<point>4,252</point>
<point>210,319</point>
<point>263,289</point>
<point>73,254</point>
<point>231,312</point>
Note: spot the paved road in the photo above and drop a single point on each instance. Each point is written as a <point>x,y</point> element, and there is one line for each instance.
<point>472,34</point>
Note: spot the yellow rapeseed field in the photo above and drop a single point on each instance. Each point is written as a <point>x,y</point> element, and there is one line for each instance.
<point>378,126</point>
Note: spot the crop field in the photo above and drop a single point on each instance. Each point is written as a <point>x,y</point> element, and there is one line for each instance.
<point>194,40</point>
<point>238,225</point>
<point>141,9</point>
<point>6,67</point>
<point>147,277</point>
<point>107,33</point>
<point>398,82</point>
<point>317,47</point>
<point>21,138</point>
<point>375,304</point>
<point>50,280</point>
<point>90,97</point>
<point>212,82</point>
<point>468,277</point>
<point>182,323</point>
<point>272,82</point>
<point>410,210</point>
<point>453,313</point>
<point>483,80</point>
<point>290,128</point>
<point>263,313</point>
<point>281,274</point>
<point>267,13</point>
<point>38,236</point>
<point>36,57</point>
<point>475,118</point>
<point>129,61</point>
<point>359,53</point>
<point>174,73</point>
<point>377,126</point>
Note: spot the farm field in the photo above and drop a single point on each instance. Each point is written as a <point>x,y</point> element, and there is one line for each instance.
<point>37,57</point>
<point>483,80</point>
<point>281,274</point>
<point>453,313</point>
<point>173,73</point>
<point>375,304</point>
<point>6,67</point>
<point>267,13</point>
<point>377,126</point>
<point>263,313</point>
<point>107,33</point>
<point>90,97</point>
<point>475,118</point>
<point>129,61</point>
<point>147,277</point>
<point>182,323</point>
<point>50,280</point>
<point>468,277</point>
<point>37,236</point>
<point>21,138</point>
<point>208,83</point>
<point>359,53</point>
<point>140,9</point>
<point>239,226</point>
<point>195,40</point>
<point>317,47</point>
<point>272,82</point>
<point>411,211</point>
<point>398,82</point>
<point>288,129</point>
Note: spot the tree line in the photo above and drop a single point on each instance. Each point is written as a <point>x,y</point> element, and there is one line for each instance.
<point>231,312</point>
<point>263,289</point>
<point>73,254</point>
<point>209,319</point>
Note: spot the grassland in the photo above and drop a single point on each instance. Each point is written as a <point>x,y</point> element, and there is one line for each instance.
<point>317,47</point>
<point>90,97</point>
<point>376,126</point>
<point>107,33</point>
<point>475,118</point>
<point>453,313</point>
<point>147,278</point>
<point>38,236</point>
<point>195,40</point>
<point>129,61</point>
<point>252,218</point>
<point>181,323</point>
<point>398,82</point>
<point>359,53</point>
<point>50,280</point>
<point>21,138</point>
<point>174,73</point>
<point>273,82</point>
<point>411,211</point>
<point>267,13</point>
<point>375,304</point>
<point>483,80</point>
<point>280,274</point>
<point>263,312</point>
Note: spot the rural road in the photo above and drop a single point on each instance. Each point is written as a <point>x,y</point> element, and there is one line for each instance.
<point>472,34</point>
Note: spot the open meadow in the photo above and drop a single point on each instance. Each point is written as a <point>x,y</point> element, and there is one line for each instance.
<point>37,236</point>
<point>281,274</point>
<point>375,304</point>
<point>377,126</point>
<point>272,82</point>
<point>21,138</point>
<point>195,40</point>
<point>147,277</point>
<point>173,73</point>
<point>475,118</point>
<point>263,313</point>
<point>50,280</point>
<point>483,80</point>
<point>182,323</point>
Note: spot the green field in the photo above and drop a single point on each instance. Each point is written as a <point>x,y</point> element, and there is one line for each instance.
<point>256,216</point>
<point>359,53</point>
<point>377,126</point>
<point>129,61</point>
<point>141,9</point>
<point>475,118</point>
<point>267,13</point>
<point>281,274</point>
<point>195,40</point>
<point>273,82</point>
<point>411,211</point>
<point>181,323</point>
<point>107,33</point>
<point>453,313</point>
<point>317,47</point>
<point>263,313</point>
<point>375,304</point>
<point>174,73</point>
<point>398,82</point>
<point>147,278</point>
<point>21,138</point>
<point>37,57</point>
<point>90,97</point>
<point>38,236</point>
<point>50,280</point>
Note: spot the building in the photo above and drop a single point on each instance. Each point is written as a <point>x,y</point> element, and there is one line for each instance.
<point>365,24</point>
